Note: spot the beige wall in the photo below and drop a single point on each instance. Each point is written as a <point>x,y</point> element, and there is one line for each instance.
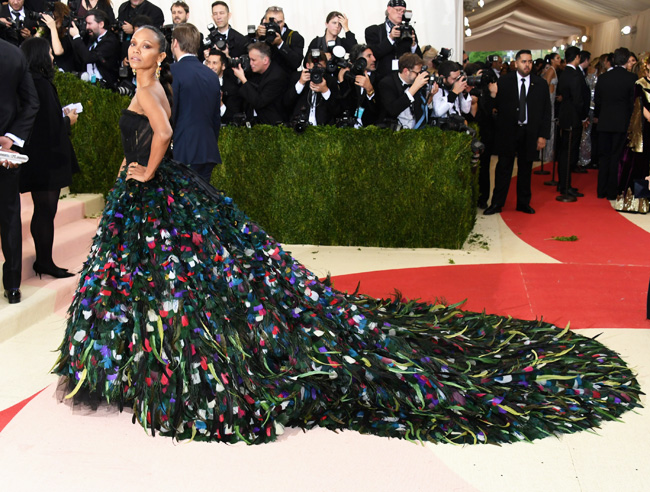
<point>606,37</point>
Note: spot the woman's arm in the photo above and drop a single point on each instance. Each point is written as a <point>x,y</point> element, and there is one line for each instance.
<point>548,76</point>
<point>57,47</point>
<point>162,133</point>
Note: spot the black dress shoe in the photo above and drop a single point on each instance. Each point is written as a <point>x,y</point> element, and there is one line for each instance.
<point>482,204</point>
<point>12,295</point>
<point>571,192</point>
<point>527,209</point>
<point>579,170</point>
<point>492,209</point>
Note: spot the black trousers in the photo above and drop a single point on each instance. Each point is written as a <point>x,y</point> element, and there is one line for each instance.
<point>204,170</point>
<point>503,173</point>
<point>10,228</point>
<point>611,150</point>
<point>484,171</point>
<point>568,155</point>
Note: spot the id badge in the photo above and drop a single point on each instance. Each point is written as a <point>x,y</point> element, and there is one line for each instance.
<point>359,113</point>
<point>395,65</point>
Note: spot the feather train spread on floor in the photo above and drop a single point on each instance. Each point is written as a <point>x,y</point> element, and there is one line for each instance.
<point>192,314</point>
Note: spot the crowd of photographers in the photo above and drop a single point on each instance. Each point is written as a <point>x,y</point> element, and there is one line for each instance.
<point>267,75</point>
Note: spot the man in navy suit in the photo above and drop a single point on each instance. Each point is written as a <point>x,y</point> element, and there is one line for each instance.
<point>523,126</point>
<point>196,114</point>
<point>18,107</point>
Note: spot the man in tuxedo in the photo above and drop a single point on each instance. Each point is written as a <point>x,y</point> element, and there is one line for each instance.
<point>386,40</point>
<point>287,46</point>
<point>18,107</point>
<point>129,9</point>
<point>16,23</point>
<point>196,113</point>
<point>585,60</point>
<point>572,117</point>
<point>495,63</point>
<point>356,94</point>
<point>231,103</point>
<point>614,101</point>
<point>453,97</point>
<point>236,42</point>
<point>262,94</point>
<point>523,126</point>
<point>404,96</point>
<point>101,56</point>
<point>311,99</point>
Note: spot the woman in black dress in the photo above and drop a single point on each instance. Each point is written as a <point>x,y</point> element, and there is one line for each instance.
<point>334,24</point>
<point>52,160</point>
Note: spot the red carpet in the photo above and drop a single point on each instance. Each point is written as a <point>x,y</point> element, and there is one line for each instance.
<point>602,282</point>
<point>9,413</point>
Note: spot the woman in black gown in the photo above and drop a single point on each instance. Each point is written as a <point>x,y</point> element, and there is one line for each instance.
<point>52,160</point>
<point>193,315</point>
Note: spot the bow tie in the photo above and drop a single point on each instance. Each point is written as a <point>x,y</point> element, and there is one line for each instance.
<point>406,86</point>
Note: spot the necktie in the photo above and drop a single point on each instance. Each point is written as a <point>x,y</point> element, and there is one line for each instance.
<point>522,101</point>
<point>16,15</point>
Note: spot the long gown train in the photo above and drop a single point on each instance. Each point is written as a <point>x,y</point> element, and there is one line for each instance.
<point>190,313</point>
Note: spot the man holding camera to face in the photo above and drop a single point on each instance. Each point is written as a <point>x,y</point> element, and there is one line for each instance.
<point>406,95</point>
<point>393,38</point>
<point>101,56</point>
<point>234,43</point>
<point>309,98</point>
<point>453,96</point>
<point>356,88</point>
<point>16,22</point>
<point>287,46</point>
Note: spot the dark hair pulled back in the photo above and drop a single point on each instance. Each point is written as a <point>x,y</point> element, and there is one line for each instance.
<point>165,72</point>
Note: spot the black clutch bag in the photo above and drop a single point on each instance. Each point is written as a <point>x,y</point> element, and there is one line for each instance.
<point>641,189</point>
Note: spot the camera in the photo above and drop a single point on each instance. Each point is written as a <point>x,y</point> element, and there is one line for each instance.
<point>300,122</point>
<point>346,120</point>
<point>481,81</point>
<point>215,39</point>
<point>337,59</point>
<point>456,123</point>
<point>443,55</point>
<point>272,28</point>
<point>405,28</point>
<point>316,75</point>
<point>240,120</point>
<point>242,61</point>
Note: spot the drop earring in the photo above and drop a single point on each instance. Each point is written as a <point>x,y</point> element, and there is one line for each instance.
<point>158,71</point>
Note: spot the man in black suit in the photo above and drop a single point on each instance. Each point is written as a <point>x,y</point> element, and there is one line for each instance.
<point>196,112</point>
<point>614,101</point>
<point>231,103</point>
<point>101,56</point>
<point>287,46</point>
<point>387,42</point>
<point>572,117</point>
<point>236,42</point>
<point>523,126</point>
<point>18,107</point>
<point>16,22</point>
<point>404,96</point>
<point>311,99</point>
<point>356,94</point>
<point>131,8</point>
<point>263,93</point>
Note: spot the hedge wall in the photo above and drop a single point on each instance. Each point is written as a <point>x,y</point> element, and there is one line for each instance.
<point>366,187</point>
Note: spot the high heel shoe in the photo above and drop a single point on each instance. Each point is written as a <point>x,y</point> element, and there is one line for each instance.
<point>53,271</point>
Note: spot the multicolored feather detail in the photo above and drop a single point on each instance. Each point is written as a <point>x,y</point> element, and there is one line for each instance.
<point>188,311</point>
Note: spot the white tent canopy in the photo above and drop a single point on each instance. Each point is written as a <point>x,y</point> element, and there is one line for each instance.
<point>542,24</point>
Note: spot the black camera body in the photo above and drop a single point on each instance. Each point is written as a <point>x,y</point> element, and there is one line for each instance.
<point>480,82</point>
<point>316,75</point>
<point>456,123</point>
<point>358,67</point>
<point>272,28</point>
<point>405,28</point>
<point>243,61</point>
<point>300,122</point>
<point>215,39</point>
<point>443,55</point>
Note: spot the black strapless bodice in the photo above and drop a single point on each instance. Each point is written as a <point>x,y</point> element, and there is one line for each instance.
<point>136,136</point>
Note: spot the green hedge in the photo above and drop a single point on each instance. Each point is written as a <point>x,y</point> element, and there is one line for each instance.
<point>366,187</point>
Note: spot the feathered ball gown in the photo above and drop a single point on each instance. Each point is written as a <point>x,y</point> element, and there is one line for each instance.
<point>190,313</point>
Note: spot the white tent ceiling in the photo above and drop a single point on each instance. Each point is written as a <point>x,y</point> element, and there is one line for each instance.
<point>539,24</point>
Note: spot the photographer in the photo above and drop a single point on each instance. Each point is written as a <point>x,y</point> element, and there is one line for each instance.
<point>356,87</point>
<point>334,23</point>
<point>235,43</point>
<point>231,103</point>
<point>17,23</point>
<point>392,38</point>
<point>286,45</point>
<point>453,97</point>
<point>406,95</point>
<point>80,8</point>
<point>100,57</point>
<point>495,63</point>
<point>127,12</point>
<point>262,95</point>
<point>60,39</point>
<point>309,97</point>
